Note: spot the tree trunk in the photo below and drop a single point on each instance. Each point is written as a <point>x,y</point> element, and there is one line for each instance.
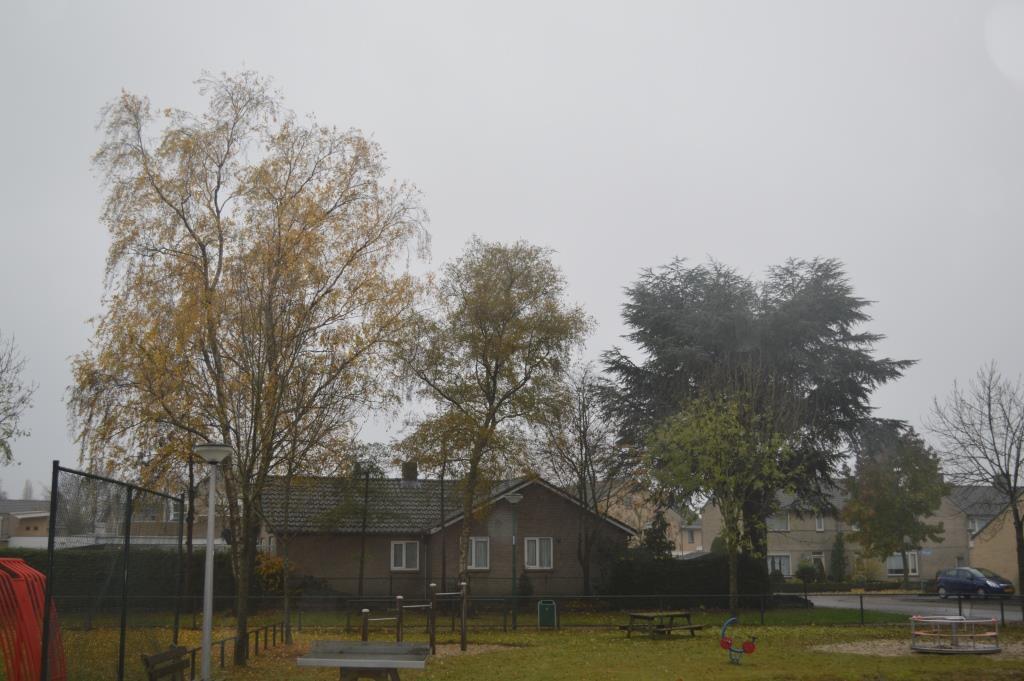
<point>467,516</point>
<point>906,568</point>
<point>246,557</point>
<point>362,534</point>
<point>190,520</point>
<point>734,580</point>
<point>757,532</point>
<point>285,581</point>
<point>1018,530</point>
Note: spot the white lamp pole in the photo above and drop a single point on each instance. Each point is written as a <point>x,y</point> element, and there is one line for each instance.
<point>514,498</point>
<point>213,454</point>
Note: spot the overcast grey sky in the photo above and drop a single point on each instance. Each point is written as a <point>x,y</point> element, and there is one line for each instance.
<point>887,134</point>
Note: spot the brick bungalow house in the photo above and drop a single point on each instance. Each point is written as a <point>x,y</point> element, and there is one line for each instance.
<point>405,532</point>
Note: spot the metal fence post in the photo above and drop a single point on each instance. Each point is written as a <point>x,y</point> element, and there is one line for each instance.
<point>432,619</point>
<point>300,620</point>
<point>365,631</point>
<point>762,608</point>
<point>400,611</point>
<point>44,665</point>
<point>124,582</point>
<point>465,609</point>
<point>862,609</point>
<point>960,605</point>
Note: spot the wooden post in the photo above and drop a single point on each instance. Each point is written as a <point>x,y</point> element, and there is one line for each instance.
<point>432,619</point>
<point>366,625</point>
<point>399,613</point>
<point>465,608</point>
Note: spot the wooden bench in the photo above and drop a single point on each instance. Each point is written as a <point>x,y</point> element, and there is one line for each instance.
<point>170,664</point>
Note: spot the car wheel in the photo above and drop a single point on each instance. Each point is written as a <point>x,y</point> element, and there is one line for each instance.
<point>942,592</point>
<point>980,592</point>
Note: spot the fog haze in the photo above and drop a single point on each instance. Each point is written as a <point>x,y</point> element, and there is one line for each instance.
<point>888,135</point>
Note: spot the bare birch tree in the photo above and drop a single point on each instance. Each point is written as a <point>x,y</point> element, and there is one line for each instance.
<point>980,427</point>
<point>15,397</point>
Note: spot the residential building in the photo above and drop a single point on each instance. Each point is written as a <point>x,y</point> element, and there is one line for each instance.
<point>795,537</point>
<point>995,546</point>
<point>24,523</point>
<point>400,535</point>
<point>636,508</point>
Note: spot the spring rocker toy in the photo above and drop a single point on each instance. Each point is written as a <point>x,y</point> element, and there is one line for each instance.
<point>735,654</point>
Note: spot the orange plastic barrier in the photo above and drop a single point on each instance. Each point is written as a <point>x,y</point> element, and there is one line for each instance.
<point>22,598</point>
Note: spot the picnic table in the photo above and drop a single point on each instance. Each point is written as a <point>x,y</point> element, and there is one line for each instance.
<point>660,623</point>
<point>363,660</point>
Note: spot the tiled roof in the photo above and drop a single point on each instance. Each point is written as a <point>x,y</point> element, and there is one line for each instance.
<point>978,500</point>
<point>23,505</point>
<point>335,505</point>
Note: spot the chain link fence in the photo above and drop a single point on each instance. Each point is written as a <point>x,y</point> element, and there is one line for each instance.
<point>114,573</point>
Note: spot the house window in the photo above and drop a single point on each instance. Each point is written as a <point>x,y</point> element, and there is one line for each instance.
<point>405,555</point>
<point>689,536</point>
<point>819,523</point>
<point>818,560</point>
<point>479,553</point>
<point>539,553</point>
<point>173,511</point>
<point>779,562</point>
<point>778,523</point>
<point>894,564</point>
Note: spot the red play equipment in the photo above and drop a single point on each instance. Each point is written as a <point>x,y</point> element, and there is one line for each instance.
<point>22,597</point>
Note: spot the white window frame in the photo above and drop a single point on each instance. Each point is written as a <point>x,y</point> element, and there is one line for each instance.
<point>819,555</point>
<point>174,511</point>
<point>789,563</point>
<point>785,529</point>
<point>691,537</point>
<point>405,552</point>
<point>526,553</point>
<point>912,558</point>
<point>471,554</point>
<point>819,523</point>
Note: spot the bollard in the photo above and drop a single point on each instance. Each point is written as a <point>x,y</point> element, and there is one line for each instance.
<point>432,619</point>
<point>366,625</point>
<point>1002,612</point>
<point>398,618</point>
<point>960,605</point>
<point>465,609</point>
<point>862,610</point>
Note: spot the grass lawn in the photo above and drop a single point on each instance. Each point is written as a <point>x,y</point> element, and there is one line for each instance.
<point>782,653</point>
<point>597,651</point>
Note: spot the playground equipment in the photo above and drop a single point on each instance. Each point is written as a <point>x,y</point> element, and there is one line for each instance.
<point>725,641</point>
<point>22,599</point>
<point>954,634</point>
<point>430,607</point>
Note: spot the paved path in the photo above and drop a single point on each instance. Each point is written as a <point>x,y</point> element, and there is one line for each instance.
<point>921,605</point>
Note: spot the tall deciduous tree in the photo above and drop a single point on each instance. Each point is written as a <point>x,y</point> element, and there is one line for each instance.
<point>15,396</point>
<point>487,354</point>
<point>981,430</point>
<point>576,445</point>
<point>253,286</point>
<point>789,347</point>
<point>896,484</point>
<point>714,449</point>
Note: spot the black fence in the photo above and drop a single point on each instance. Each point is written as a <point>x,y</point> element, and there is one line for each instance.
<point>114,573</point>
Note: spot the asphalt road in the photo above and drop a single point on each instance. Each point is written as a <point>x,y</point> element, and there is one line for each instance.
<point>922,605</point>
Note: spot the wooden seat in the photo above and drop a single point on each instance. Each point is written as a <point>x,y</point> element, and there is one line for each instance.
<point>170,664</point>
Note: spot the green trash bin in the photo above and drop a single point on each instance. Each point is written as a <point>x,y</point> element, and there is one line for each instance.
<point>547,615</point>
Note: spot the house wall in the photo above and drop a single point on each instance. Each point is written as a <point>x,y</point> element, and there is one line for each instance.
<point>995,548</point>
<point>802,540</point>
<point>637,511</point>
<point>541,513</point>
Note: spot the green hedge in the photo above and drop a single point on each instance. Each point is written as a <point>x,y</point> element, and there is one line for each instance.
<point>708,574</point>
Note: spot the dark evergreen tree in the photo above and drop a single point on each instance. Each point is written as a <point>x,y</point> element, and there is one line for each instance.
<point>654,541</point>
<point>790,345</point>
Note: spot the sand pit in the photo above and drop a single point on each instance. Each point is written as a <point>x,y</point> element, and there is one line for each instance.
<point>900,648</point>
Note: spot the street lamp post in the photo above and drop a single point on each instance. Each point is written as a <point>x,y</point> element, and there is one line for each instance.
<point>215,455</point>
<point>514,498</point>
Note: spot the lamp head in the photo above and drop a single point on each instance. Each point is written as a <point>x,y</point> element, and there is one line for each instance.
<point>213,453</point>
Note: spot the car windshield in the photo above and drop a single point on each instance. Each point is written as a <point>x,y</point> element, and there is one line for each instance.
<point>987,573</point>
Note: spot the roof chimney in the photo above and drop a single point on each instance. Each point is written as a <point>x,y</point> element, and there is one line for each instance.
<point>410,471</point>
